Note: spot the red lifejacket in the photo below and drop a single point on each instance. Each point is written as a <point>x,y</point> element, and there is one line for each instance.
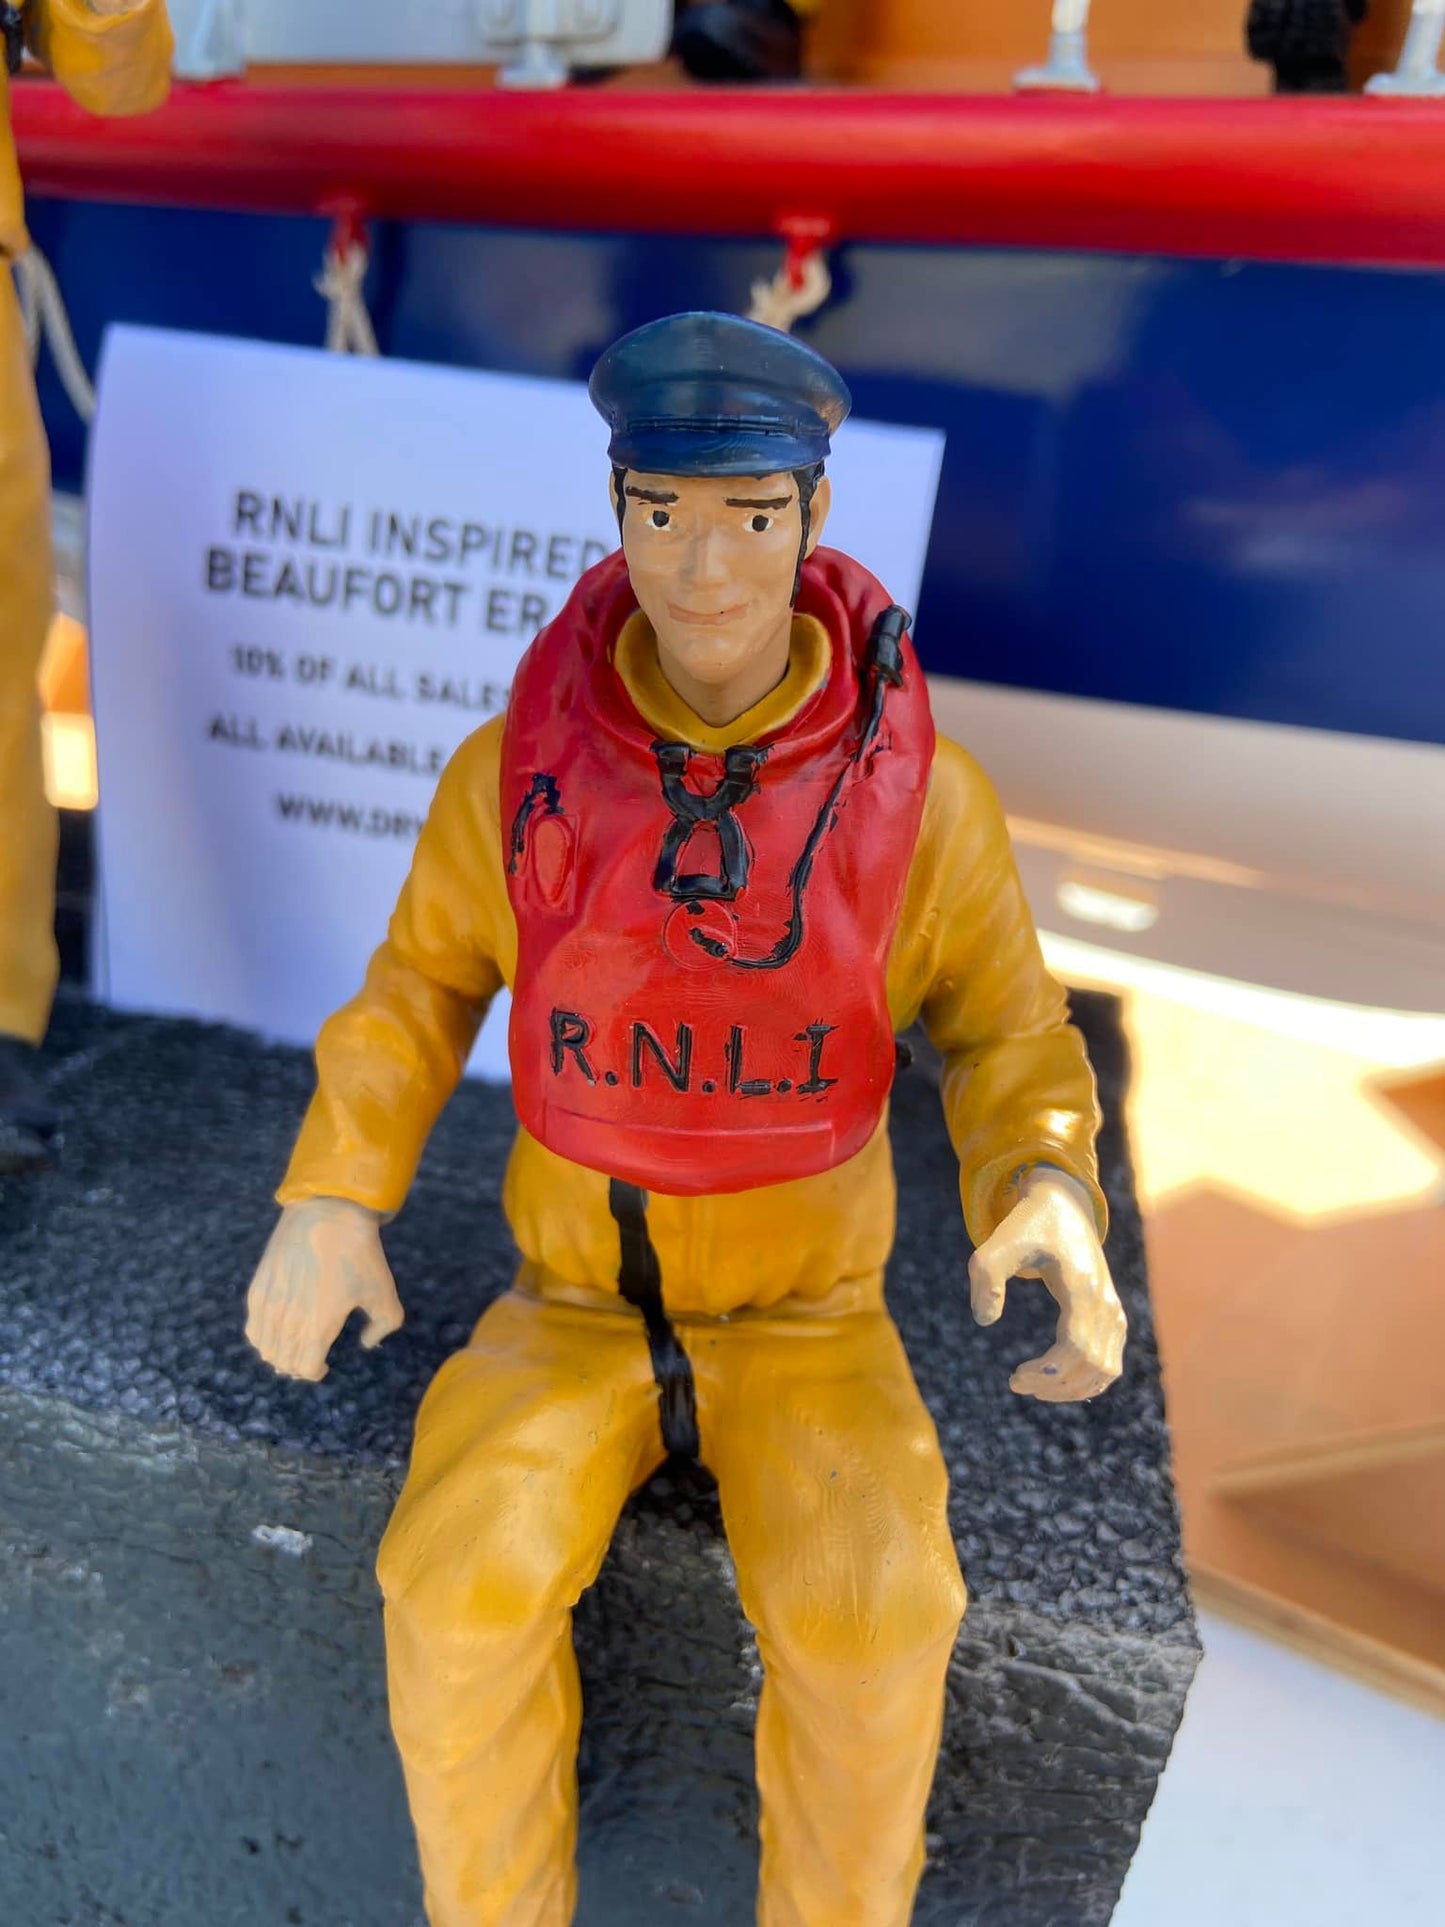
<point>699,1003</point>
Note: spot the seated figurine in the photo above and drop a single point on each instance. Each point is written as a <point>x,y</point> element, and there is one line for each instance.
<point>1307,42</point>
<point>720,859</point>
<point>741,39</point>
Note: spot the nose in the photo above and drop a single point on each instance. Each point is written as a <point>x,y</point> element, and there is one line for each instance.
<point>704,566</point>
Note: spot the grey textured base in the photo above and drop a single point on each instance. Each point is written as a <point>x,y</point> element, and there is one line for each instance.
<point>192,1713</point>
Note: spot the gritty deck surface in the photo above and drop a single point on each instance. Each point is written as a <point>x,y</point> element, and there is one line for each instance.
<point>192,1719</point>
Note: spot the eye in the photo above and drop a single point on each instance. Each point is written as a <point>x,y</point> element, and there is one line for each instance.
<point>661,519</point>
<point>760,524</point>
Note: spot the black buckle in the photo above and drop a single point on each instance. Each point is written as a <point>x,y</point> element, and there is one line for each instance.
<point>691,811</point>
<point>885,645</point>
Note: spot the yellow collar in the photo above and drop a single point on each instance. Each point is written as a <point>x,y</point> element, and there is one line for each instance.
<point>810,657</point>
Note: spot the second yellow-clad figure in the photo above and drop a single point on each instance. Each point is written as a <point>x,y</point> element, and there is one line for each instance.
<point>112,57</point>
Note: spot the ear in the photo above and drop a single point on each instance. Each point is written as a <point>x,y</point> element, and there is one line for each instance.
<point>818,512</point>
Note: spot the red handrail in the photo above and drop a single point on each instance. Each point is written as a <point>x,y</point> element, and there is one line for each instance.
<point>1313,179</point>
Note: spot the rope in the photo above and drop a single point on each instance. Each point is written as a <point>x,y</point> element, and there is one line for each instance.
<point>46,322</point>
<point>42,308</point>
<point>800,287</point>
<point>340,283</point>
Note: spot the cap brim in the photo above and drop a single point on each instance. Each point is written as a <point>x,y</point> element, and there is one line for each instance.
<point>690,451</point>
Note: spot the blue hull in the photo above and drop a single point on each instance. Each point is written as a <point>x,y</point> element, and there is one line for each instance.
<point>1190,485</point>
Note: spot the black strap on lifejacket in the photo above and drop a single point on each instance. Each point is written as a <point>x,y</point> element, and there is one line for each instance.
<point>544,790</point>
<point>12,28</point>
<point>885,672</point>
<point>639,1279</point>
<point>690,811</point>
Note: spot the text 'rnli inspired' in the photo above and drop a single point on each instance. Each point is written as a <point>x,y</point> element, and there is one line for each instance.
<point>699,1003</point>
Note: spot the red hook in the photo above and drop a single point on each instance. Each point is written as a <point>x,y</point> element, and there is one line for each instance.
<point>348,224</point>
<point>803,235</point>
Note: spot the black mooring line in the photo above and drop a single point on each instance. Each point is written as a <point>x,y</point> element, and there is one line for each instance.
<point>639,1279</point>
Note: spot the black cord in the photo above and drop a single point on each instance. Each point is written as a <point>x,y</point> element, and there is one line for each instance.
<point>639,1279</point>
<point>885,663</point>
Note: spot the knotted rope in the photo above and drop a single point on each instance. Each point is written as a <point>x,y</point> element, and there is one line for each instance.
<point>42,309</point>
<point>803,283</point>
<point>341,283</point>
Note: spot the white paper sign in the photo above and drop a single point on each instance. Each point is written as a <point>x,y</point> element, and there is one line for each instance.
<point>310,578</point>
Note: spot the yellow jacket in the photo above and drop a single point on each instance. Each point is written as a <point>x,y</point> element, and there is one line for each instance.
<point>1017,1088</point>
<point>109,63</point>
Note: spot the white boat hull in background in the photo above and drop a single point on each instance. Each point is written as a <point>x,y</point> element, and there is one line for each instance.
<point>1295,858</point>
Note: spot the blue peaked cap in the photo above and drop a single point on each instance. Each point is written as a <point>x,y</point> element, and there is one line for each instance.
<point>712,394</point>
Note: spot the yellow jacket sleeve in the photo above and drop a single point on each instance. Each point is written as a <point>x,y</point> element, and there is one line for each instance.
<point>109,63</point>
<point>387,1061</point>
<point>1017,1087</point>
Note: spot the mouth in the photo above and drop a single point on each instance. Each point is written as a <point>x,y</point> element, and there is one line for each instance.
<point>705,618</point>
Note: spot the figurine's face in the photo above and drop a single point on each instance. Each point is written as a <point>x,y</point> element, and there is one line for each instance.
<point>713,561</point>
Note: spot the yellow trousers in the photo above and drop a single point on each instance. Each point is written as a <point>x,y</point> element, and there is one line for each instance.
<point>833,1495</point>
<point>28,962</point>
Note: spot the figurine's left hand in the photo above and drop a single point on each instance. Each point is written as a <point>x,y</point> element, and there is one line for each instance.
<point>1050,1234</point>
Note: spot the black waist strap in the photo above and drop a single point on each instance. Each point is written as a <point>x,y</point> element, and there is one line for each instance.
<point>639,1279</point>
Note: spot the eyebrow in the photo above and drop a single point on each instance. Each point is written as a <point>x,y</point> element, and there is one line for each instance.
<point>651,495</point>
<point>756,502</point>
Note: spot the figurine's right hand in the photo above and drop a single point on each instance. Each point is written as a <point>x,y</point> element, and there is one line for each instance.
<point>324,1262</point>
